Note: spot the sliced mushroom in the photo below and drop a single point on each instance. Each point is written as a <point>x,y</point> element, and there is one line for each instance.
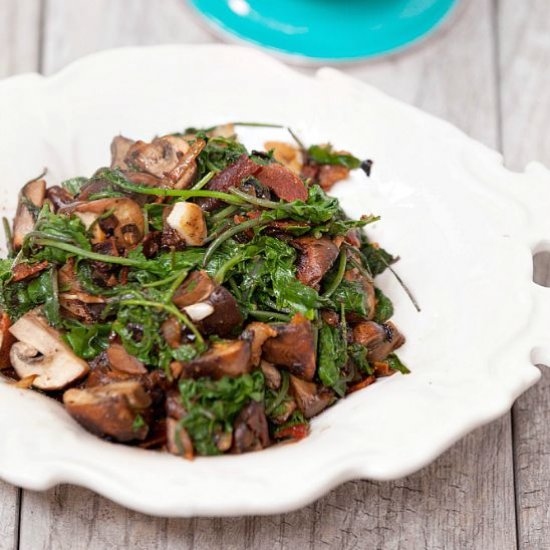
<point>293,348</point>
<point>173,405</point>
<point>329,174</point>
<point>59,197</point>
<point>6,341</point>
<point>250,429</point>
<point>121,360</point>
<point>311,399</point>
<point>224,358</point>
<point>271,374</point>
<point>110,410</point>
<point>119,149</point>
<point>171,332</point>
<point>316,257</point>
<point>41,351</point>
<point>200,288</point>
<point>257,334</point>
<point>128,223</point>
<point>187,219</point>
<point>178,441</point>
<point>34,193</point>
<point>286,154</point>
<point>157,158</point>
<point>380,340</point>
<point>185,172</point>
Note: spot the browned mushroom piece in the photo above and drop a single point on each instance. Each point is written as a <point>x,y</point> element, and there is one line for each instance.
<point>173,405</point>
<point>121,360</point>
<point>111,409</point>
<point>224,358</point>
<point>119,149</point>
<point>6,341</point>
<point>329,174</point>
<point>380,340</point>
<point>210,306</point>
<point>125,219</point>
<point>287,154</point>
<point>171,332</point>
<point>170,158</point>
<point>271,374</point>
<point>59,197</point>
<point>310,398</point>
<point>369,295</point>
<point>41,351</point>
<point>196,288</point>
<point>33,193</point>
<point>178,441</point>
<point>316,257</point>
<point>250,429</point>
<point>257,334</point>
<point>185,172</point>
<point>293,348</point>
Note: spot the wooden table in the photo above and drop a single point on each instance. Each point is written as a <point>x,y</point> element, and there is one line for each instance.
<point>489,73</point>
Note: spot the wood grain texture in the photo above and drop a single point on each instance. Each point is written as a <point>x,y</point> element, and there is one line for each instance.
<point>19,52</point>
<point>524,63</point>
<point>465,499</point>
<point>19,36</point>
<point>9,516</point>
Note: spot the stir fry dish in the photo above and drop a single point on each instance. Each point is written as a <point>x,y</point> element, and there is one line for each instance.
<point>195,296</point>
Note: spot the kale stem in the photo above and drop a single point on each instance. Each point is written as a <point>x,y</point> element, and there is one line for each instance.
<point>181,193</point>
<point>230,233</point>
<point>258,202</point>
<point>281,395</point>
<point>161,282</point>
<point>203,181</point>
<point>170,308</point>
<point>7,233</point>
<point>89,254</point>
<point>268,315</point>
<point>222,272</point>
<point>174,286</point>
<point>224,213</point>
<point>339,276</point>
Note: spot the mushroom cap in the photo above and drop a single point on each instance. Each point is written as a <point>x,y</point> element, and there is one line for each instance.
<point>131,223</point>
<point>41,352</point>
<point>111,409</point>
<point>6,341</point>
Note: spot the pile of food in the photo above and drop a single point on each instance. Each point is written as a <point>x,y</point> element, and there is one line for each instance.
<point>195,296</point>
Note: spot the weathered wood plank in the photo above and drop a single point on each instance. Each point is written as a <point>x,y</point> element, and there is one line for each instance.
<point>19,48</point>
<point>524,61</point>
<point>9,516</point>
<point>19,36</point>
<point>465,499</point>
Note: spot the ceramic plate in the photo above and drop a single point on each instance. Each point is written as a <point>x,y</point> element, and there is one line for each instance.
<point>464,227</point>
<point>323,30</point>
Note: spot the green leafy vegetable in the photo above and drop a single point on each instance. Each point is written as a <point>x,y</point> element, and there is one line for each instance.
<point>212,406</point>
<point>87,341</point>
<point>332,358</point>
<point>384,307</point>
<point>395,363</point>
<point>324,154</point>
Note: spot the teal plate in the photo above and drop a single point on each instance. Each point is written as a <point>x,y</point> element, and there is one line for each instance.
<point>327,30</point>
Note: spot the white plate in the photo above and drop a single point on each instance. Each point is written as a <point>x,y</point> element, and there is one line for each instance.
<point>464,226</point>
